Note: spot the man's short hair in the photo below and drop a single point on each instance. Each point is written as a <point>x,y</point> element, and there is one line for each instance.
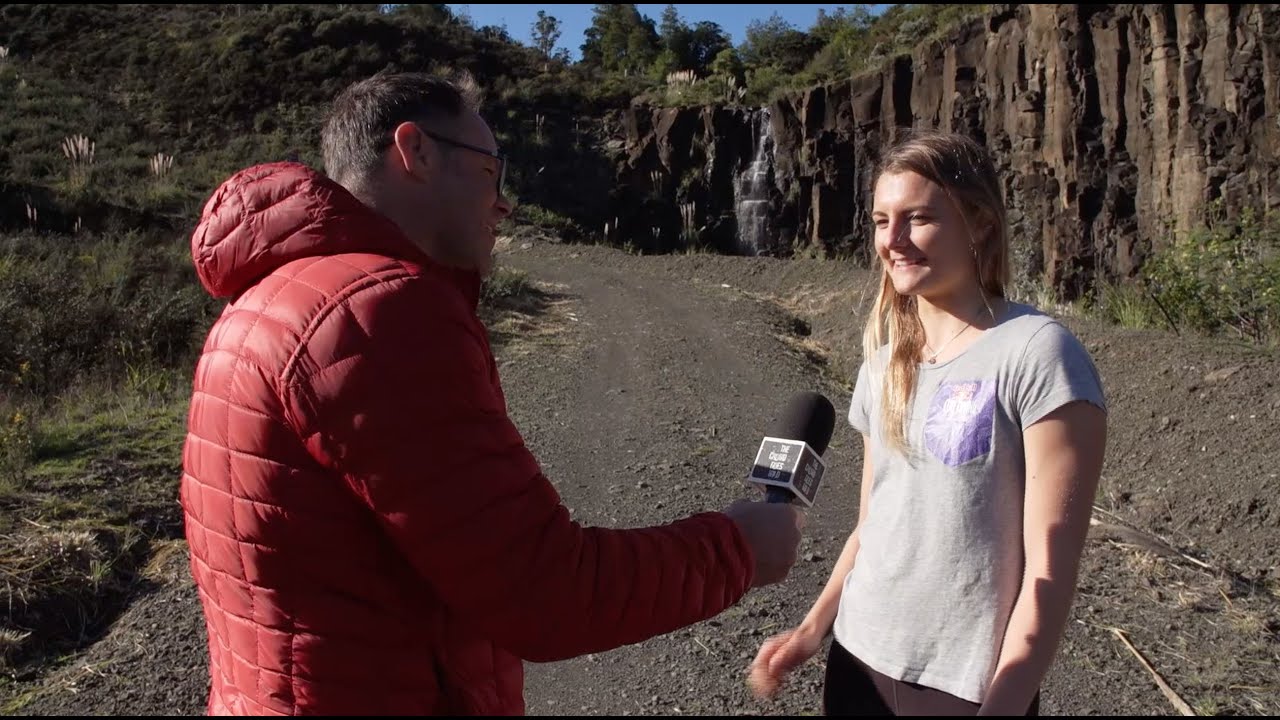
<point>363,116</point>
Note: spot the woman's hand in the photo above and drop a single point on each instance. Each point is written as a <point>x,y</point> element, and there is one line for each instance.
<point>779,655</point>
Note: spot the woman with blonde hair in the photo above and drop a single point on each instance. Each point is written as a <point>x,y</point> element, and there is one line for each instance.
<point>984,426</point>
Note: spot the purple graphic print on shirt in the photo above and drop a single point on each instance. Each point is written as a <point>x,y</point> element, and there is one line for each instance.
<point>961,417</point>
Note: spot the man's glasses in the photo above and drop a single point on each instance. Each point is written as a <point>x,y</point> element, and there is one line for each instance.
<point>502,159</point>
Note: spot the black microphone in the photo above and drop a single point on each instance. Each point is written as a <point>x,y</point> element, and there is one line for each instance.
<point>789,463</point>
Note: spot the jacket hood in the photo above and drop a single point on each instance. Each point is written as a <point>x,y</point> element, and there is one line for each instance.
<point>268,215</point>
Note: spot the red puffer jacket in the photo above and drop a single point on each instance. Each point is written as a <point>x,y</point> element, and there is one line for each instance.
<point>368,532</point>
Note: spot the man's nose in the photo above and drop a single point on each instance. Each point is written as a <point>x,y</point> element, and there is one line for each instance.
<point>504,205</point>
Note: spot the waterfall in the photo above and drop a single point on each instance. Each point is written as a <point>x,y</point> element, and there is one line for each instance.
<point>751,191</point>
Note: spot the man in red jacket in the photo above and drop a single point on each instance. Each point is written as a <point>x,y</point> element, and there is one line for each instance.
<point>368,532</point>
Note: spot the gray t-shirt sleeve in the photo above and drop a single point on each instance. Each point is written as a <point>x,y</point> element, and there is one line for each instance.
<point>1056,369</point>
<point>860,403</point>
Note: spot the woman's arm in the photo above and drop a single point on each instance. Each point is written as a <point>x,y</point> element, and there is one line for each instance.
<point>1064,454</point>
<point>782,653</point>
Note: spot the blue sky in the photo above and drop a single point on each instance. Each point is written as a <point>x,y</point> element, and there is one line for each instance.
<point>575,19</point>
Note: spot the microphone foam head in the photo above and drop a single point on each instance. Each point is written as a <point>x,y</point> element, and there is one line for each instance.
<point>809,417</point>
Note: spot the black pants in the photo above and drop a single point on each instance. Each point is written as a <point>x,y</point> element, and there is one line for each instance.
<point>852,688</point>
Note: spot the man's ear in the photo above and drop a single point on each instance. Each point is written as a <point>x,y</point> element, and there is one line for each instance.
<point>409,152</point>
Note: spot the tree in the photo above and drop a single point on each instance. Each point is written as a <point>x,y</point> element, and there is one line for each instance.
<point>844,21</point>
<point>462,16</point>
<point>546,33</point>
<point>620,40</point>
<point>706,41</point>
<point>847,42</point>
<point>664,64</point>
<point>776,42</point>
<point>673,39</point>
<point>688,48</point>
<point>496,32</point>
<point>673,30</point>
<point>728,65</point>
<point>433,14</point>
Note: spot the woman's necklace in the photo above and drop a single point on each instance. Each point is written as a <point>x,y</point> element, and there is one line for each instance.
<point>933,359</point>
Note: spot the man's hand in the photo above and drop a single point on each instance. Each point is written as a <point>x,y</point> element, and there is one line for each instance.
<point>773,532</point>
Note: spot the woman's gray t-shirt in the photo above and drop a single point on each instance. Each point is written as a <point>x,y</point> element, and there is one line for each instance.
<point>941,560</point>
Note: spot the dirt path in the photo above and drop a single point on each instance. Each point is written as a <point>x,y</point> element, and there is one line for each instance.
<point>645,393</point>
<point>655,412</point>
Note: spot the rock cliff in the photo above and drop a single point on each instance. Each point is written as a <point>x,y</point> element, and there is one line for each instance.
<point>1113,126</point>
